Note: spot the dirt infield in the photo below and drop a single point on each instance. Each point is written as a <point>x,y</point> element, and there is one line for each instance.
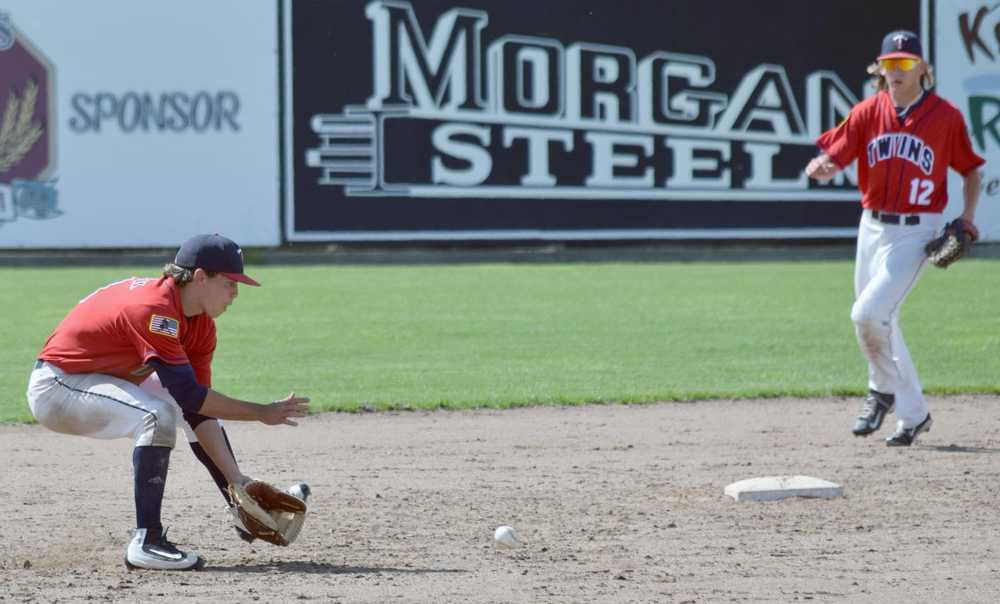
<point>615,503</point>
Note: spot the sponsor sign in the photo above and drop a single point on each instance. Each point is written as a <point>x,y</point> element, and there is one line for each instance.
<point>27,128</point>
<point>968,74</point>
<point>160,123</point>
<point>463,120</point>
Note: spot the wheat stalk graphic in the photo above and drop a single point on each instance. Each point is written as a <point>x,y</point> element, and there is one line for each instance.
<point>18,134</point>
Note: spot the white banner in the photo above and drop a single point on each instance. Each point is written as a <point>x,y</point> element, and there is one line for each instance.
<point>138,124</point>
<point>968,74</point>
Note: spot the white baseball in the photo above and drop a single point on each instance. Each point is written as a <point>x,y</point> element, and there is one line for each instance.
<point>505,536</point>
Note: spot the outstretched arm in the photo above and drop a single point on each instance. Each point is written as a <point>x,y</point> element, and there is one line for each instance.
<point>192,397</point>
<point>220,406</point>
<point>821,168</point>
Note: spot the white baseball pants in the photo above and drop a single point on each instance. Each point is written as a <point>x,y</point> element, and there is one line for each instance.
<point>890,260</point>
<point>103,406</point>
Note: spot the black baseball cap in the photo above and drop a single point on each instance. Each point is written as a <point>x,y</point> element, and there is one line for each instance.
<point>901,44</point>
<point>213,253</point>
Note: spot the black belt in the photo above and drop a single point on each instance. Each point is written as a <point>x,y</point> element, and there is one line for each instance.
<point>910,219</point>
<point>39,363</point>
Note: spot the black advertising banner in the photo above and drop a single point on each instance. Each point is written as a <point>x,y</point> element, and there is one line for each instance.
<point>591,119</point>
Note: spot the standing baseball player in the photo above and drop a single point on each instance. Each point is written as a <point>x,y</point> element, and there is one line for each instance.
<point>132,360</point>
<point>904,138</point>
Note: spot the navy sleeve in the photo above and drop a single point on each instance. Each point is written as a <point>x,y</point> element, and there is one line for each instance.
<point>194,419</point>
<point>180,382</point>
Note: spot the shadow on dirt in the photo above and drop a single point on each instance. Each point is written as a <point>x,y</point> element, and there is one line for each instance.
<point>960,449</point>
<point>322,568</point>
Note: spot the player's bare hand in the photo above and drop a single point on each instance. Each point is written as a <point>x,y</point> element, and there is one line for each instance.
<point>281,412</point>
<point>821,168</point>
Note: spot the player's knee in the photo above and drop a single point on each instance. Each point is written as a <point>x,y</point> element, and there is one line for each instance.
<point>867,317</point>
<point>160,426</point>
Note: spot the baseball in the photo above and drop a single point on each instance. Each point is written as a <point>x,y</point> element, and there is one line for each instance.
<point>506,537</point>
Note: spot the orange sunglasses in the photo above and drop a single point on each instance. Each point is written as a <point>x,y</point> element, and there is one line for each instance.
<point>901,64</point>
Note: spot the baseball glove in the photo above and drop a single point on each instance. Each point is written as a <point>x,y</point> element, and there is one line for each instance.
<point>953,243</point>
<point>267,513</point>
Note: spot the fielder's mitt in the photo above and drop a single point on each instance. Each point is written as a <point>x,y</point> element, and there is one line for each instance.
<point>267,513</point>
<point>953,243</point>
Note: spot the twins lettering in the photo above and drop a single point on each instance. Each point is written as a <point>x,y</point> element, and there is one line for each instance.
<point>904,146</point>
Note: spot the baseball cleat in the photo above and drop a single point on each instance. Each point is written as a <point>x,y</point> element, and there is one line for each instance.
<point>158,554</point>
<point>877,405</point>
<point>904,437</point>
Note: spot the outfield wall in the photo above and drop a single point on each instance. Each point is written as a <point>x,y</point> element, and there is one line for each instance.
<point>157,120</point>
<point>445,120</point>
<point>967,63</point>
<point>451,120</point>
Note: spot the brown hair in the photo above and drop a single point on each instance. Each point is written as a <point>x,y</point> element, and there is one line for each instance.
<point>878,80</point>
<point>181,276</point>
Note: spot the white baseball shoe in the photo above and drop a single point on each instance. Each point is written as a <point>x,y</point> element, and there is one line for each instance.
<point>159,554</point>
<point>904,437</point>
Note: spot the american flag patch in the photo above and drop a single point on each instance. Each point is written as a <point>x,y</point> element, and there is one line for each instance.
<point>164,325</point>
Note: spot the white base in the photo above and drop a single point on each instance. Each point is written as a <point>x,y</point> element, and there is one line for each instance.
<point>773,488</point>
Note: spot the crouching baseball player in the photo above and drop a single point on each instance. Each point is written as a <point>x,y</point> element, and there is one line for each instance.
<point>133,360</point>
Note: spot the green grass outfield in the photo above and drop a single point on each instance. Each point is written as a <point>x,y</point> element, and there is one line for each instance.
<point>513,334</point>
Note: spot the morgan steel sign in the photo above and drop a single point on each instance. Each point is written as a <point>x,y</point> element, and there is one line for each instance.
<point>554,120</point>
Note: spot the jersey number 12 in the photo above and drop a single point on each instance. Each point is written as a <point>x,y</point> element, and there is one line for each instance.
<point>920,192</point>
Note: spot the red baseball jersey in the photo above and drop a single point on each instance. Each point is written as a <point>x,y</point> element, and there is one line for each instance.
<point>902,164</point>
<point>118,328</point>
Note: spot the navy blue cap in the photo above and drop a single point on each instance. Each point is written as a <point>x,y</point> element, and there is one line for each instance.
<point>901,44</point>
<point>213,253</point>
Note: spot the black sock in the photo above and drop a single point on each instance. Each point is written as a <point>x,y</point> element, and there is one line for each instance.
<point>150,472</point>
